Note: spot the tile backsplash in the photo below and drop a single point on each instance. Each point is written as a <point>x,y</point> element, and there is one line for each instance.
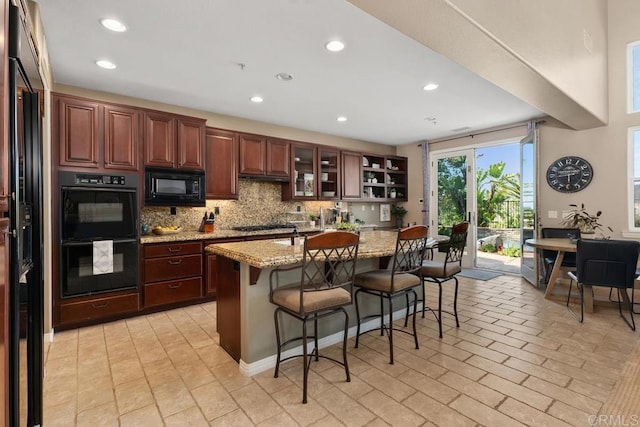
<point>258,203</point>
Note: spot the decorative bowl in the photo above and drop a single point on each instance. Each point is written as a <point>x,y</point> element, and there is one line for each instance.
<point>163,231</point>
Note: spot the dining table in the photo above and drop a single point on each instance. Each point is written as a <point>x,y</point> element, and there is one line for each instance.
<point>561,246</point>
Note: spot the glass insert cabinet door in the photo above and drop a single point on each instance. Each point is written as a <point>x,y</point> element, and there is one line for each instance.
<point>453,196</point>
<point>304,171</point>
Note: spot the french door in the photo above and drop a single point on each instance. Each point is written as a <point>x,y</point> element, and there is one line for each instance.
<point>528,206</point>
<point>453,196</point>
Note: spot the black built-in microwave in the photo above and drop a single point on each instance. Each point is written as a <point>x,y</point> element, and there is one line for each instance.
<point>174,187</point>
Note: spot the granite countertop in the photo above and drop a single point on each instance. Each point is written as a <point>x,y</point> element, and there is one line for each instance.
<point>187,235</point>
<point>270,253</point>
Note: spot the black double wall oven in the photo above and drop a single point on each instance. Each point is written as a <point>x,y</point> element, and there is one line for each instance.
<point>98,232</point>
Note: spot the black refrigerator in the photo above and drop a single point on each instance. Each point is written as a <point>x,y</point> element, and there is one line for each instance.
<point>26,364</point>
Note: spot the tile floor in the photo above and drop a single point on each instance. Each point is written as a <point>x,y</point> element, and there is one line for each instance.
<point>516,359</point>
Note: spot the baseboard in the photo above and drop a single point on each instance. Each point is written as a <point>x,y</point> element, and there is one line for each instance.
<point>250,369</point>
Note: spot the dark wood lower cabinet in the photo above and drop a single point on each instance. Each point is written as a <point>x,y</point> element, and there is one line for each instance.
<point>228,309</point>
<point>105,307</point>
<point>173,291</point>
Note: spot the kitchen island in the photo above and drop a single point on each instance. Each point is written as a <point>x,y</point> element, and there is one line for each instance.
<point>244,313</point>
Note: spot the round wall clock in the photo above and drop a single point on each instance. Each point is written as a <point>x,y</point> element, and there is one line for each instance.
<point>569,174</point>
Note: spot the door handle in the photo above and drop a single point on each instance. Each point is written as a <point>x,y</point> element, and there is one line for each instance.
<point>94,305</point>
<point>175,286</point>
<point>172,250</point>
<point>178,262</point>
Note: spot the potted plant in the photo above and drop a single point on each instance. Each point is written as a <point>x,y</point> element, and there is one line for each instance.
<point>578,217</point>
<point>398,213</point>
<point>312,219</point>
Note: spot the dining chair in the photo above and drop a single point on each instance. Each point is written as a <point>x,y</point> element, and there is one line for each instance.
<point>400,280</point>
<point>549,256</point>
<point>441,271</point>
<point>609,263</point>
<point>325,288</point>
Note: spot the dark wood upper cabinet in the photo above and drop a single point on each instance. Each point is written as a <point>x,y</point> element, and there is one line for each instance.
<point>351,175</point>
<point>253,154</point>
<point>261,156</point>
<point>278,158</point>
<point>159,140</point>
<point>121,137</point>
<point>78,132</point>
<point>221,165</point>
<point>172,141</point>
<point>190,144</point>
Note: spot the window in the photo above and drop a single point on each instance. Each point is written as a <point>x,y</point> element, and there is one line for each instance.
<point>633,64</point>
<point>634,144</point>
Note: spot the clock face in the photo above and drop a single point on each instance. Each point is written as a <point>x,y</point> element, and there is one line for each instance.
<point>569,174</point>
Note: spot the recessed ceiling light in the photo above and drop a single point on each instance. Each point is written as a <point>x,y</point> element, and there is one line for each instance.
<point>256,99</point>
<point>342,119</point>
<point>103,63</point>
<point>113,25</point>
<point>285,77</point>
<point>334,46</point>
<point>430,86</point>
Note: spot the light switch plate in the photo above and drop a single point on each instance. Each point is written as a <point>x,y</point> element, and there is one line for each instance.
<point>552,214</point>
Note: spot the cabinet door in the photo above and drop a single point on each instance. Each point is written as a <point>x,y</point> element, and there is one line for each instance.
<point>190,144</point>
<point>304,171</point>
<point>278,158</point>
<point>228,306</point>
<point>78,132</point>
<point>159,140</point>
<point>329,173</point>
<point>121,137</point>
<point>212,274</point>
<point>351,175</point>
<point>221,164</point>
<point>253,154</point>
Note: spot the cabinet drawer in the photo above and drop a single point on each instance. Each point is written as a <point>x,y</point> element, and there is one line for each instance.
<point>169,268</point>
<point>98,308</point>
<point>172,249</point>
<point>162,293</point>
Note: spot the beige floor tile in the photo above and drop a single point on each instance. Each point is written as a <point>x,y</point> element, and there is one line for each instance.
<point>554,377</point>
<point>354,388</point>
<point>569,397</point>
<point>214,355</point>
<point>482,351</point>
<point>432,388</point>
<point>160,372</point>
<point>95,393</point>
<point>482,414</point>
<point>436,412</point>
<point>256,403</point>
<point>450,350</point>
<point>579,373</point>
<point>518,392</point>
<point>270,384</point>
<point>498,369</point>
<point>507,339</point>
<point>458,367</point>
<point>528,415</point>
<point>172,398</point>
<point>195,374</point>
<point>191,417</point>
<point>235,418</point>
<point>146,416</point>
<point>472,389</point>
<point>387,384</point>
<point>282,419</point>
<point>593,391</point>
<point>60,390</point>
<point>62,415</point>
<point>230,376</point>
<point>389,410</point>
<point>133,395</point>
<point>126,370</point>
<point>570,359</point>
<point>290,399</point>
<point>379,422</point>
<point>105,415</point>
<point>344,408</point>
<point>517,353</point>
<point>213,400</point>
<point>569,414</point>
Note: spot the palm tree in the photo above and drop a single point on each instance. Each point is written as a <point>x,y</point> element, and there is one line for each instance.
<point>494,187</point>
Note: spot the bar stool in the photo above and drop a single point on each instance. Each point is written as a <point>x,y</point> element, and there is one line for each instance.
<point>440,272</point>
<point>399,281</point>
<point>325,288</point>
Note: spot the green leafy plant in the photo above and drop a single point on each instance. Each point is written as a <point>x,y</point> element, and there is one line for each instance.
<point>313,217</point>
<point>488,247</point>
<point>398,211</point>
<point>578,217</point>
<point>346,226</point>
<point>511,251</point>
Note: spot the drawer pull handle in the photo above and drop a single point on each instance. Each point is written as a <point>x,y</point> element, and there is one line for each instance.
<point>103,305</point>
<point>178,262</point>
<point>174,250</point>
<point>175,286</point>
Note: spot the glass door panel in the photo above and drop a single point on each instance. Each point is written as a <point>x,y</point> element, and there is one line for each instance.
<point>329,187</point>
<point>528,207</point>
<point>304,172</point>
<point>453,197</point>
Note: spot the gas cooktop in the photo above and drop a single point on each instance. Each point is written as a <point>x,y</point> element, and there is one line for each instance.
<point>263,227</point>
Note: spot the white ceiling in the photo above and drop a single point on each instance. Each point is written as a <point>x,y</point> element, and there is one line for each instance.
<point>190,56</point>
